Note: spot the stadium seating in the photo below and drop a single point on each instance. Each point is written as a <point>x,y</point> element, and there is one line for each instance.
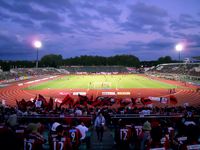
<point>190,69</point>
<point>165,131</point>
<point>95,69</point>
<point>24,73</point>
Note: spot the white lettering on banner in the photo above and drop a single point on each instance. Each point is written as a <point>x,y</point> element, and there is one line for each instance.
<point>64,93</point>
<point>20,84</point>
<point>154,98</point>
<point>123,93</point>
<point>79,93</point>
<point>108,93</point>
<point>163,100</point>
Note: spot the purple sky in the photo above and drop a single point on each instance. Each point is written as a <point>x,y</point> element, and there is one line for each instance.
<point>147,29</point>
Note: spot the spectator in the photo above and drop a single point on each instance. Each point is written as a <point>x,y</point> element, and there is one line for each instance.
<point>99,125</point>
<point>12,120</point>
<point>122,136</point>
<point>59,141</point>
<point>33,133</point>
<point>156,135</point>
<point>75,136</point>
<point>54,126</point>
<point>38,103</point>
<point>145,136</point>
<point>8,139</point>
<point>78,112</point>
<point>83,129</point>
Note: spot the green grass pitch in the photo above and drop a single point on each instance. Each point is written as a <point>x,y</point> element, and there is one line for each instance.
<point>100,82</point>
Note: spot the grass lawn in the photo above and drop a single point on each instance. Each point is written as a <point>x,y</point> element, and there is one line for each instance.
<point>100,82</point>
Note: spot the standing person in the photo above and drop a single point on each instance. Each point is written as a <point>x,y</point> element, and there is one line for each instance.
<point>145,136</point>
<point>122,135</point>
<point>99,125</point>
<point>74,135</point>
<point>83,130</point>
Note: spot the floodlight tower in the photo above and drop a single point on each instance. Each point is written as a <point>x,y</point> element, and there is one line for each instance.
<point>179,47</point>
<point>37,44</point>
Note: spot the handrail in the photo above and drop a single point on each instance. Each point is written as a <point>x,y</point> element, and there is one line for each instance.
<point>127,116</point>
<point>52,116</point>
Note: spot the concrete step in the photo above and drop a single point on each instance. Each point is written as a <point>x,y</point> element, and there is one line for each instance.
<point>107,142</point>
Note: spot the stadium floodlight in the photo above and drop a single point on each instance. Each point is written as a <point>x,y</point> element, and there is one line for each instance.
<point>179,47</point>
<point>37,44</point>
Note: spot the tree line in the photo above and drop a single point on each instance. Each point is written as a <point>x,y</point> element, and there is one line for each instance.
<point>53,60</point>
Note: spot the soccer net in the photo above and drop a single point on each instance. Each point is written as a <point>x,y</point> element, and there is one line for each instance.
<point>101,85</point>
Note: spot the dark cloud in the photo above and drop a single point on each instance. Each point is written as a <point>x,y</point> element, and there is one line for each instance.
<point>56,28</point>
<point>160,45</point>
<point>12,45</point>
<point>109,11</point>
<point>193,41</point>
<point>184,21</point>
<point>3,16</point>
<point>30,11</point>
<point>61,5</point>
<point>155,45</point>
<point>100,27</point>
<point>15,19</point>
<point>145,18</point>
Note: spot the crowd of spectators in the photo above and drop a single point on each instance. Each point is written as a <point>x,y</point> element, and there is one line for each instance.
<point>71,127</point>
<point>25,73</point>
<point>192,69</point>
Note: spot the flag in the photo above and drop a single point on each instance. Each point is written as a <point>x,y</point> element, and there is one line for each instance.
<point>83,100</point>
<point>97,101</point>
<point>105,101</point>
<point>173,99</point>
<point>30,104</point>
<point>133,101</point>
<point>67,100</point>
<point>44,101</point>
<point>35,99</point>
<point>50,104</point>
<point>146,101</point>
<point>125,102</point>
<point>21,105</point>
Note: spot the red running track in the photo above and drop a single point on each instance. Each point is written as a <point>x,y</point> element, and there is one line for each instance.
<point>14,92</point>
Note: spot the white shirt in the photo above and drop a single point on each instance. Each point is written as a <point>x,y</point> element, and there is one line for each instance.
<point>38,104</point>
<point>78,112</point>
<point>83,130</point>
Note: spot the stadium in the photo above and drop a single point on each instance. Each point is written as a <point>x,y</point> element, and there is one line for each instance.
<point>154,85</point>
<point>82,75</point>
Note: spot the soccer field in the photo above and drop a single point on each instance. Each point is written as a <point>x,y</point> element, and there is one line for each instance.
<point>100,82</point>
